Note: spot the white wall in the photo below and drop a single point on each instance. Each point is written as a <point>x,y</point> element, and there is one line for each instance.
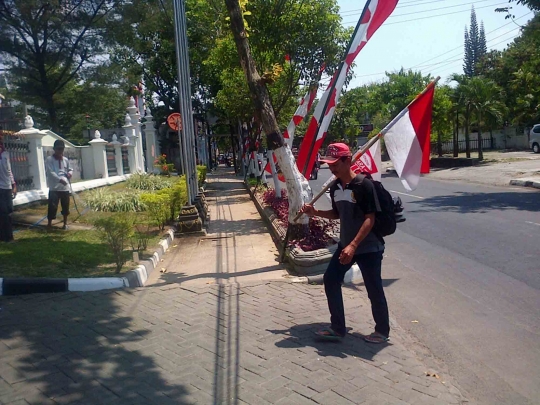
<point>87,158</point>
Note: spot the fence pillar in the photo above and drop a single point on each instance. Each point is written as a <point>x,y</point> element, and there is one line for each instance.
<point>133,112</point>
<point>100,156</point>
<point>152,147</point>
<point>118,155</point>
<point>35,154</point>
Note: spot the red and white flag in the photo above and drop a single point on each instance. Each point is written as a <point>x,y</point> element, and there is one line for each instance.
<point>407,139</point>
<point>374,15</point>
<point>299,115</point>
<point>369,162</point>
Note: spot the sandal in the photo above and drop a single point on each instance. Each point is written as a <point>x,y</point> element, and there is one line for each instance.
<point>376,338</point>
<point>328,334</point>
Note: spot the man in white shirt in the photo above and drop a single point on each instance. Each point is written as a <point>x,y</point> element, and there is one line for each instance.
<point>8,191</point>
<point>58,175</point>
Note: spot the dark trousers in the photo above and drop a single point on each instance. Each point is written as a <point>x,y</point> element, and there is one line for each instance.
<point>6,208</point>
<point>370,266</point>
<point>54,198</point>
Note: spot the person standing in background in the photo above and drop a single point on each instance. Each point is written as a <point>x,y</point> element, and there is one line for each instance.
<point>8,191</point>
<point>58,175</point>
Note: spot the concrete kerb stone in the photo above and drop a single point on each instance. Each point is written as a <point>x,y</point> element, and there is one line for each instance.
<point>136,277</point>
<point>305,264</point>
<point>139,275</point>
<point>526,182</point>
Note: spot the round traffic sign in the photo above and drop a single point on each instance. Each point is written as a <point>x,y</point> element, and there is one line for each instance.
<point>175,121</point>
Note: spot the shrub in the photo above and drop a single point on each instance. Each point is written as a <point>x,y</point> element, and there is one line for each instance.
<point>141,235</point>
<point>158,207</point>
<point>176,196</point>
<point>116,230</point>
<point>201,174</point>
<point>163,166</point>
<point>109,201</point>
<point>148,182</point>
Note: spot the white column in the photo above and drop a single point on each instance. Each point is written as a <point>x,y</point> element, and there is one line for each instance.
<point>35,155</point>
<point>152,147</point>
<point>118,156</point>
<point>133,112</point>
<point>129,139</point>
<point>100,156</point>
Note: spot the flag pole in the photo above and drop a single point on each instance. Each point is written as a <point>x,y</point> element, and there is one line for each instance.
<point>370,143</point>
<point>332,88</point>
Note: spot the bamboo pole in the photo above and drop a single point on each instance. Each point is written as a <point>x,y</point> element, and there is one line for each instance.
<point>370,143</point>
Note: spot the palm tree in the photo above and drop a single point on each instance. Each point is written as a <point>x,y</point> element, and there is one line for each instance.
<point>462,103</point>
<point>484,98</point>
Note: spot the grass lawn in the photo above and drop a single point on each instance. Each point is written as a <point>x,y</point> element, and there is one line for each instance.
<point>74,253</point>
<point>58,253</point>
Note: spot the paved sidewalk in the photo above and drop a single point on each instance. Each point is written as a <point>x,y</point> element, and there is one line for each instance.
<point>218,344</point>
<point>211,330</point>
<point>237,247</point>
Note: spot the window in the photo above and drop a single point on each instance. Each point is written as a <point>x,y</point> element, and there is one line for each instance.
<point>536,129</point>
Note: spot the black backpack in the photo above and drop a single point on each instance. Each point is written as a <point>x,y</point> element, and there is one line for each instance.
<point>390,214</point>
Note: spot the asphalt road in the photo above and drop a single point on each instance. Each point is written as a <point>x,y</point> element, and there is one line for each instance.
<point>462,276</point>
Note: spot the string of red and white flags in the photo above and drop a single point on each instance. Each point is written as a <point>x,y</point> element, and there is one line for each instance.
<point>407,136</point>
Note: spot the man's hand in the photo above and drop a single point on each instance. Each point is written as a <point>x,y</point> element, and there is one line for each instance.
<point>308,209</point>
<point>63,182</point>
<point>347,254</point>
<point>69,175</point>
<point>14,192</point>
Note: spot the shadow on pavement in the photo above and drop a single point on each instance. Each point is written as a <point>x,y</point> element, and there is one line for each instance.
<point>81,348</point>
<point>179,278</point>
<point>480,202</point>
<point>352,344</point>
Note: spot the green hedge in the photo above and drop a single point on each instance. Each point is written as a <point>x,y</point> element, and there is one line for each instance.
<point>201,174</point>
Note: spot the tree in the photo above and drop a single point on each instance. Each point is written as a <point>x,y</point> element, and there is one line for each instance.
<point>442,115</point>
<point>515,70</point>
<point>298,188</point>
<point>483,96</point>
<point>47,44</point>
<point>475,46</point>
<point>462,107</point>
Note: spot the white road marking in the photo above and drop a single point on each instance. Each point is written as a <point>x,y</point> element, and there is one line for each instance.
<point>533,223</point>
<point>410,195</point>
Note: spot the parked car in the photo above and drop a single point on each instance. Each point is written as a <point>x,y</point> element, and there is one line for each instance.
<point>534,138</point>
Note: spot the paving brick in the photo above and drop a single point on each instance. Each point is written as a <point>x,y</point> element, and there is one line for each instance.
<point>330,397</point>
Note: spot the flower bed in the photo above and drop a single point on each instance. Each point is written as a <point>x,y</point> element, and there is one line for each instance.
<point>320,231</point>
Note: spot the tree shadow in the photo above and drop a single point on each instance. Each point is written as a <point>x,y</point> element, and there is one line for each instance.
<point>353,344</point>
<point>462,202</point>
<point>83,348</point>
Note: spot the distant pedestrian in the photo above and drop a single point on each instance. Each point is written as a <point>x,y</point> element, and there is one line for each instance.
<point>58,174</point>
<point>8,191</point>
<point>354,203</point>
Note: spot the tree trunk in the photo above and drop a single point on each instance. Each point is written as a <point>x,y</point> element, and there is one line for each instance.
<point>467,135</point>
<point>456,136</point>
<point>480,151</point>
<point>298,188</point>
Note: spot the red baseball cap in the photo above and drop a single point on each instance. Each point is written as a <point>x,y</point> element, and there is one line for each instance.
<point>334,152</point>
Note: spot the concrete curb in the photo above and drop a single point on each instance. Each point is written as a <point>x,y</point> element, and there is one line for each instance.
<point>133,278</point>
<point>526,182</point>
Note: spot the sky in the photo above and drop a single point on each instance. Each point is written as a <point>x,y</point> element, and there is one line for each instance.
<point>427,35</point>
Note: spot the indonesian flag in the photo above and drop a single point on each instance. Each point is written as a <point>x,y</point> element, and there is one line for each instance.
<point>299,115</point>
<point>374,14</point>
<point>369,162</point>
<point>407,139</point>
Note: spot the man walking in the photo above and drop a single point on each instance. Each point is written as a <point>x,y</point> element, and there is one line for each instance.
<point>58,175</point>
<point>354,203</point>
